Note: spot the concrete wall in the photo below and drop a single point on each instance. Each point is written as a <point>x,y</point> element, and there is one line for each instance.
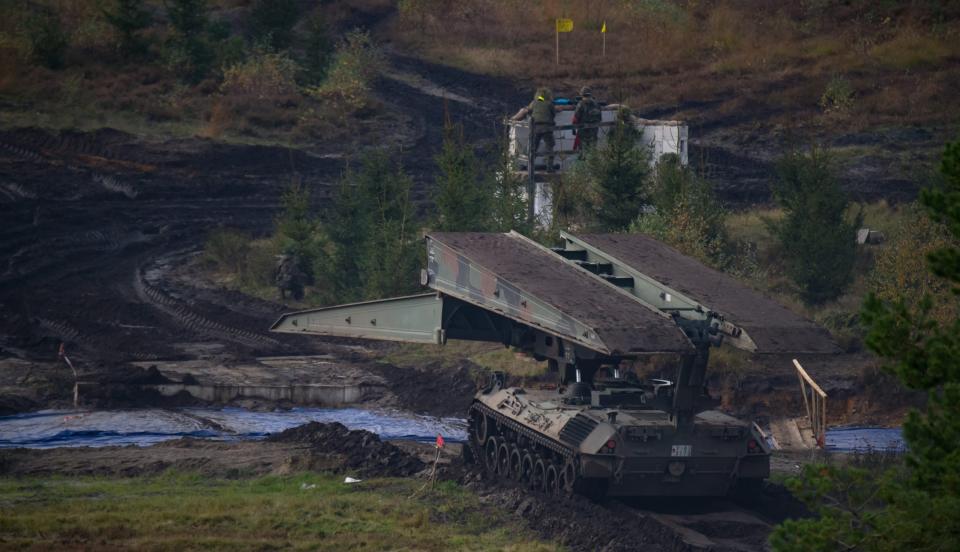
<point>320,395</point>
<point>661,137</point>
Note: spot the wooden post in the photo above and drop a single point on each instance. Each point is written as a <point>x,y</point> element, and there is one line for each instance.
<point>816,404</point>
<point>76,378</point>
<point>433,472</point>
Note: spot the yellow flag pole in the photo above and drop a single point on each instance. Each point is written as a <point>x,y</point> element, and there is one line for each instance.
<point>557,29</point>
<point>603,31</point>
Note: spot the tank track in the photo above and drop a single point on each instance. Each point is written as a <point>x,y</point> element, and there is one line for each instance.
<point>522,431</point>
<point>521,455</point>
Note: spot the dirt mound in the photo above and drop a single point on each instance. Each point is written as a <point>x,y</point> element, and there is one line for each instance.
<point>433,389</point>
<point>362,451</point>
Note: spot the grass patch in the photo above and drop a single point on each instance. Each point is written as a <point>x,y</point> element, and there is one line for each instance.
<point>491,356</point>
<point>912,50</point>
<point>302,512</point>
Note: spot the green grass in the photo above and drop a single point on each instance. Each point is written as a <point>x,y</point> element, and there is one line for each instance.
<point>182,511</point>
<point>912,50</point>
<point>491,356</point>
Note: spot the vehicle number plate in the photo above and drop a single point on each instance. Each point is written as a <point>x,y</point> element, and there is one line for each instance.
<point>681,450</point>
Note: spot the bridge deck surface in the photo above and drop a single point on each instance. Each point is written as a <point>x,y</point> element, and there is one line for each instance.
<point>623,324</point>
<point>773,327</point>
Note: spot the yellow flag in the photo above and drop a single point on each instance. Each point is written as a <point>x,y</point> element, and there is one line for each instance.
<point>564,25</point>
<point>604,28</point>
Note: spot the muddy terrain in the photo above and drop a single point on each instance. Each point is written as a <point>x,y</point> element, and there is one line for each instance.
<point>577,523</point>
<point>95,222</point>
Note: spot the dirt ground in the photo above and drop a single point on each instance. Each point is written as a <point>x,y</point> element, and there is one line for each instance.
<point>96,225</point>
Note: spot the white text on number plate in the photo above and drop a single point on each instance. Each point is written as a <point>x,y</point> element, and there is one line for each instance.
<point>681,450</point>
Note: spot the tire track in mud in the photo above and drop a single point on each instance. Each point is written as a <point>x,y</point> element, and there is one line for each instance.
<point>88,210</point>
<point>189,319</point>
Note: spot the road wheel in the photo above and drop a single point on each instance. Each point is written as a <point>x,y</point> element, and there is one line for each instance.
<point>503,460</point>
<point>515,460</point>
<point>490,454</point>
<point>481,427</point>
<point>539,474</point>
<point>551,480</point>
<point>568,478</point>
<point>526,468</point>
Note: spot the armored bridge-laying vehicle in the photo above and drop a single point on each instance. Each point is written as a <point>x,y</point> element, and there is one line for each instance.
<point>589,308</point>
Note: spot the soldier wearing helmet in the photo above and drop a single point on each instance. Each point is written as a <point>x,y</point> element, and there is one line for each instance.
<point>289,277</point>
<point>587,113</point>
<point>541,113</point>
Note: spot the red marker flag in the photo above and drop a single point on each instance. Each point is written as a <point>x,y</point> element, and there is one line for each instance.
<point>439,441</point>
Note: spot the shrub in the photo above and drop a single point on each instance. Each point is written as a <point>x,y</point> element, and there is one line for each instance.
<point>355,63</point>
<point>688,216</point>
<point>260,264</point>
<point>228,249</point>
<point>272,21</point>
<point>128,18</point>
<point>818,243</point>
<point>900,268</point>
<point>263,76</point>
<point>838,95</point>
<point>48,39</point>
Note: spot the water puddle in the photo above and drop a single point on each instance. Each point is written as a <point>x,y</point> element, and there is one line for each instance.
<point>100,428</point>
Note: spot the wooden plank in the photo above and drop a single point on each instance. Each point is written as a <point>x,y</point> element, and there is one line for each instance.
<point>809,380</point>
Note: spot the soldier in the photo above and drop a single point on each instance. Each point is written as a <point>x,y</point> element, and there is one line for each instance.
<point>289,277</point>
<point>541,122</point>
<point>587,113</point>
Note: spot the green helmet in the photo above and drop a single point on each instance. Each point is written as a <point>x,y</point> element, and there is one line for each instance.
<point>585,91</point>
<point>543,95</point>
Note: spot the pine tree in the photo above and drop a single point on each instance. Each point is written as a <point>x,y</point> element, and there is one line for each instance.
<point>317,51</point>
<point>347,231</point>
<point>817,240</point>
<point>297,228</point>
<point>48,39</point>
<point>925,351</point>
<point>189,49</point>
<point>390,256</point>
<point>508,191</point>
<point>461,197</point>
<point>620,169</point>
<point>913,508</point>
<point>272,21</point>
<point>129,18</point>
